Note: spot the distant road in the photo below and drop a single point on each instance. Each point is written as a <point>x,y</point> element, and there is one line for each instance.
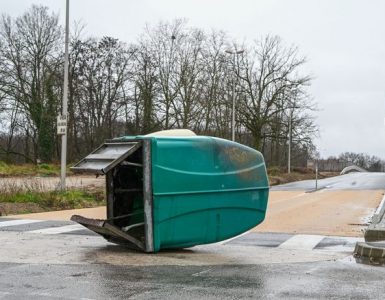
<point>352,181</point>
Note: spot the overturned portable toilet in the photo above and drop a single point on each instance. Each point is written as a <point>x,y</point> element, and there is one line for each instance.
<point>173,192</point>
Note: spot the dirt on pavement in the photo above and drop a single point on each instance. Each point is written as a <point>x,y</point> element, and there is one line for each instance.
<point>338,213</point>
<point>65,215</point>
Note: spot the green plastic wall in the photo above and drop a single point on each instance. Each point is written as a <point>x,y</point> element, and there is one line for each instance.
<point>205,190</point>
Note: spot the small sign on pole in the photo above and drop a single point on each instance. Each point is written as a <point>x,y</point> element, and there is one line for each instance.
<point>310,164</point>
<point>61,125</point>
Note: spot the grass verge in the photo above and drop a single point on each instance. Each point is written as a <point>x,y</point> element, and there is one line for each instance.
<point>32,201</point>
<point>280,175</point>
<point>8,170</point>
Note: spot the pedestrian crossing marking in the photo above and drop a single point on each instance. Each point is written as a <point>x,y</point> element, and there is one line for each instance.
<point>58,230</point>
<point>18,222</point>
<point>302,241</point>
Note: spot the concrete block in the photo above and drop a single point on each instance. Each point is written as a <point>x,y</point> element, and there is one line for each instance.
<point>374,234</point>
<point>370,253</point>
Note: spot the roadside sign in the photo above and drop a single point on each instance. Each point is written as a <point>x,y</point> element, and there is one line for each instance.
<point>61,125</point>
<point>310,164</point>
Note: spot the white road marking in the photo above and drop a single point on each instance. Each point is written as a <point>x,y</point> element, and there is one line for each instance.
<point>18,222</point>
<point>302,241</point>
<point>57,230</point>
<point>230,239</point>
<point>202,272</point>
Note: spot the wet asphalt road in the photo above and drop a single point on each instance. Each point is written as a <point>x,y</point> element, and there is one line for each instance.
<point>352,181</point>
<point>318,280</point>
<point>254,266</point>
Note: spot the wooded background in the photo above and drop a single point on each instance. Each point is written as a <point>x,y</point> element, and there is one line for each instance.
<point>173,76</point>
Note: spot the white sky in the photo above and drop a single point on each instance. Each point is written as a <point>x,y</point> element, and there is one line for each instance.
<point>344,42</point>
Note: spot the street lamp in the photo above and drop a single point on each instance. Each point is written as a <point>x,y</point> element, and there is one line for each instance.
<point>235,54</point>
<point>63,117</point>
<point>290,136</point>
<point>289,144</point>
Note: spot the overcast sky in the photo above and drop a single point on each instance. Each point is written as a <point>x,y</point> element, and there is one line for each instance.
<point>344,42</point>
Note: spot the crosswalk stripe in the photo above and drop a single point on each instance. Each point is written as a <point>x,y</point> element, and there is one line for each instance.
<point>57,230</point>
<point>18,222</point>
<point>302,241</point>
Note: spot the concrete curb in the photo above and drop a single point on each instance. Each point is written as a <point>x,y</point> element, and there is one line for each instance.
<point>374,234</point>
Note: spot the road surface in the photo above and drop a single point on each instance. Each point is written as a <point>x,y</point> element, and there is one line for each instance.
<point>342,206</point>
<point>49,260</point>
<point>296,254</point>
<point>352,181</point>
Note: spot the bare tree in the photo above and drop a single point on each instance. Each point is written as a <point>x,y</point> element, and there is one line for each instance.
<point>214,107</point>
<point>187,105</point>
<point>100,69</point>
<point>145,91</point>
<point>268,75</point>
<point>29,54</point>
<point>162,44</point>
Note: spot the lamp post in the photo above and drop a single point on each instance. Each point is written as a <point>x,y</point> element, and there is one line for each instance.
<point>316,174</point>
<point>289,146</point>
<point>65,104</point>
<point>290,136</point>
<point>235,54</point>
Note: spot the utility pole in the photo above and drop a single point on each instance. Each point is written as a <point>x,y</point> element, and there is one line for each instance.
<point>235,54</point>
<point>316,174</point>
<point>289,146</point>
<point>65,104</point>
<point>233,107</point>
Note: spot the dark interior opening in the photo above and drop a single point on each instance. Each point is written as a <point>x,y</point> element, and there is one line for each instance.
<point>128,210</point>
